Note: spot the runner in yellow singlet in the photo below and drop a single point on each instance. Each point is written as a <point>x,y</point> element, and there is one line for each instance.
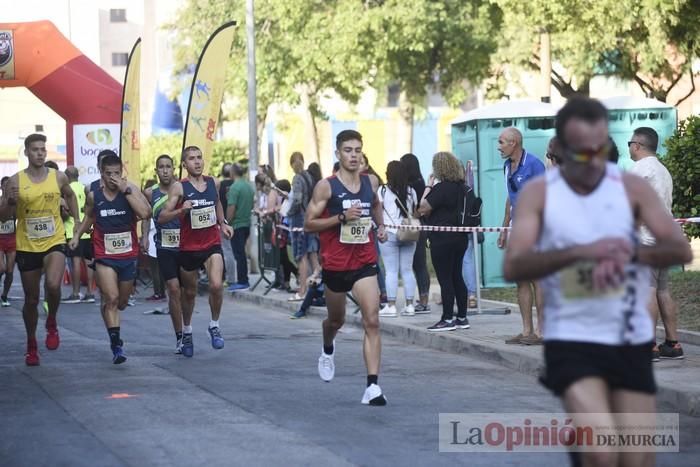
<point>33,197</point>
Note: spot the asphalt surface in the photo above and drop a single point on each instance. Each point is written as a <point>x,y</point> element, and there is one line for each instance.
<point>259,401</point>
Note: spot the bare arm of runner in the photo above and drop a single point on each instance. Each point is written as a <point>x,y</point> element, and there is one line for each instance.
<point>524,263</point>
<point>226,229</point>
<point>8,202</point>
<point>671,246</point>
<point>87,222</point>
<point>170,211</point>
<point>317,204</point>
<point>69,195</point>
<point>146,226</point>
<point>135,198</point>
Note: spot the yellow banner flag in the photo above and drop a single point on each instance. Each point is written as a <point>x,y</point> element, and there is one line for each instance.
<point>130,141</point>
<point>207,92</point>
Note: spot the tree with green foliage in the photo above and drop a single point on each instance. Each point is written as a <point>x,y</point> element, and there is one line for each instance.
<point>303,48</point>
<point>683,162</point>
<point>427,45</point>
<point>651,42</point>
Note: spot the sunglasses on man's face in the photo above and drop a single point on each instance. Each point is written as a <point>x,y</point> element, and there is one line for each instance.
<point>586,155</point>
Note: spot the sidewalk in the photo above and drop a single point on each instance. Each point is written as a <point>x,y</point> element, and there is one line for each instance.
<point>678,380</point>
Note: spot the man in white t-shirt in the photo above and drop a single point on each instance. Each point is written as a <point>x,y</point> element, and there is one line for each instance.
<point>642,147</point>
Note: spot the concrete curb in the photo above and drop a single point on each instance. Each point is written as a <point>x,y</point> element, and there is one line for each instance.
<point>517,358</point>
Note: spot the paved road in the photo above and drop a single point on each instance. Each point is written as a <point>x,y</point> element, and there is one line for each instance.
<point>259,401</point>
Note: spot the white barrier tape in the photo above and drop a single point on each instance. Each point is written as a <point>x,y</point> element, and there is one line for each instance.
<point>430,228</point>
<point>444,228</point>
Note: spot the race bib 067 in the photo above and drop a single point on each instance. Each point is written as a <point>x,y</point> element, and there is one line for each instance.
<point>356,231</point>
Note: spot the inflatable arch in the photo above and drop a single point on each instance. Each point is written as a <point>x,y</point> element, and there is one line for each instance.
<point>37,56</point>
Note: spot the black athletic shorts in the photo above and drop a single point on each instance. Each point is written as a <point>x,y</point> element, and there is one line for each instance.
<point>31,261</point>
<point>620,366</point>
<point>83,250</point>
<point>343,281</point>
<point>193,260</point>
<point>167,263</point>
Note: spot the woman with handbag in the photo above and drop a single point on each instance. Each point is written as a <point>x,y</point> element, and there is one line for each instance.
<point>399,201</point>
<point>440,204</point>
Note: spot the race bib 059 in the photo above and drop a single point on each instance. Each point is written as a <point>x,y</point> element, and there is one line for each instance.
<point>117,243</point>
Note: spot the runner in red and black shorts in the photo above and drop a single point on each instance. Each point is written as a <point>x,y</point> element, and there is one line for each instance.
<point>195,200</point>
<point>8,247</point>
<point>343,209</point>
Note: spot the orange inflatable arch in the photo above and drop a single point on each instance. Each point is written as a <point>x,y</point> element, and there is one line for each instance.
<point>37,56</point>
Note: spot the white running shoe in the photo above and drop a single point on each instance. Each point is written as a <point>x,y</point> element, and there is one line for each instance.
<point>326,366</point>
<point>389,311</point>
<point>373,395</point>
<point>408,310</point>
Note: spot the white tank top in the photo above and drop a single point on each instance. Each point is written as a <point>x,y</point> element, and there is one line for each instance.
<point>573,310</point>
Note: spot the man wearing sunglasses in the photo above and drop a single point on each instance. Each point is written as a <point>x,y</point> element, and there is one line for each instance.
<point>519,168</point>
<point>575,230</point>
<point>642,146</point>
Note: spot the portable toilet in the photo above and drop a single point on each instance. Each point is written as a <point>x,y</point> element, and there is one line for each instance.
<point>475,138</point>
<point>628,113</point>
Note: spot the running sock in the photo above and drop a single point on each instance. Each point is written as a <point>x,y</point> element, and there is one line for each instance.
<point>671,343</point>
<point>372,379</point>
<point>178,335</point>
<point>328,349</point>
<point>213,324</point>
<point>51,321</point>
<point>114,336</point>
<point>187,329</point>
<point>31,342</point>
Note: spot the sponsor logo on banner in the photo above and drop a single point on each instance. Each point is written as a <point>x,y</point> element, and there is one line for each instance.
<point>88,141</point>
<point>7,55</point>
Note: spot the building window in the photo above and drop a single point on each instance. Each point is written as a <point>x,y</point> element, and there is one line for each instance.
<point>117,15</point>
<point>120,59</point>
<point>39,128</point>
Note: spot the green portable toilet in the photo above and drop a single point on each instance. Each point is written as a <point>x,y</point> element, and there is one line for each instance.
<point>475,139</point>
<point>628,113</point>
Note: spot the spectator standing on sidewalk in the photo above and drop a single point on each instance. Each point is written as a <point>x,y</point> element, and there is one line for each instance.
<point>398,202</point>
<point>304,246</point>
<point>519,168</point>
<point>440,204</point>
<point>642,147</point>
<point>239,208</point>
<point>229,260</point>
<point>83,253</point>
<point>420,264</point>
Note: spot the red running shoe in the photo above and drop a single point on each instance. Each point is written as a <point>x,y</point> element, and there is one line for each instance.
<point>31,358</point>
<point>52,339</point>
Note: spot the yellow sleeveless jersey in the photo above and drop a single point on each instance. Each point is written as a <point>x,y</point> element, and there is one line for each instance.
<point>39,223</point>
<point>79,190</point>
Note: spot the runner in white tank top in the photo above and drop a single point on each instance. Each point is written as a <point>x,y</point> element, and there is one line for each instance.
<point>575,230</point>
<point>574,310</point>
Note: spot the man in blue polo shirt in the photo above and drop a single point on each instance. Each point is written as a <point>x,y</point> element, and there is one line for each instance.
<point>519,168</point>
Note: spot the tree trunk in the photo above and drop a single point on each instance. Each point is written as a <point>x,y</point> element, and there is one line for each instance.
<point>404,134</point>
<point>310,127</point>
